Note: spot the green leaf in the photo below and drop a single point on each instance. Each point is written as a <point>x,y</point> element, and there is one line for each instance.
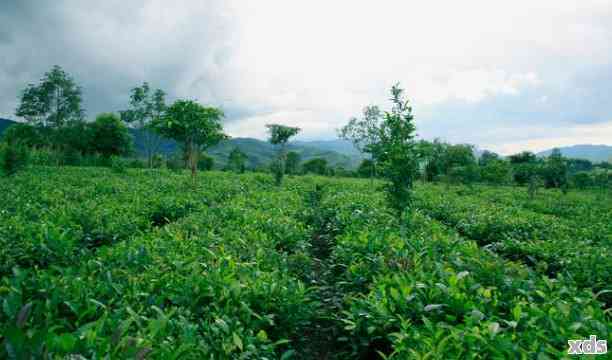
<point>288,354</point>
<point>237,341</point>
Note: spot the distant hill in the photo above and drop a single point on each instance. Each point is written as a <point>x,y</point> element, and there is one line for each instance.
<point>4,123</point>
<point>594,153</point>
<point>339,146</point>
<point>259,152</point>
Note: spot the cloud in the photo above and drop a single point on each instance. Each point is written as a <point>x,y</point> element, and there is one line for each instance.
<point>480,71</point>
<point>112,46</point>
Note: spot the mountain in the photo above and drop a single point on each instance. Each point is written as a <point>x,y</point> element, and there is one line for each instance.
<point>340,146</point>
<point>4,123</point>
<point>259,152</point>
<point>594,153</point>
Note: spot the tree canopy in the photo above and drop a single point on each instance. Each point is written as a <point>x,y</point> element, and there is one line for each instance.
<point>195,126</point>
<point>55,101</point>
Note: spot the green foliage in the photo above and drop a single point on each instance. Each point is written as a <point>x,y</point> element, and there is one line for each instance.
<point>364,132</point>
<point>205,162</point>
<point>279,135</point>
<point>118,165</point>
<point>292,165</point>
<point>237,160</point>
<point>496,172</point>
<point>487,157</point>
<point>525,172</point>
<point>13,157</point>
<point>522,158</point>
<point>146,108</point>
<point>446,161</point>
<point>175,164</point>
<point>555,170</point>
<point>582,180</point>
<point>131,265</point>
<point>367,169</point>
<point>157,161</point>
<point>466,174</point>
<point>195,126</point>
<point>55,101</point>
<point>24,134</point>
<point>395,152</point>
<point>315,166</point>
<point>111,136</point>
<point>82,137</point>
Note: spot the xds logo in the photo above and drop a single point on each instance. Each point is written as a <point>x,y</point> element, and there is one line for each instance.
<point>590,347</point>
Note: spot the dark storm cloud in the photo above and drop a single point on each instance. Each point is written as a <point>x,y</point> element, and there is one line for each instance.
<point>111,46</point>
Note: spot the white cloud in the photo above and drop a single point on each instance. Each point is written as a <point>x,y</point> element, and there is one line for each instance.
<point>333,58</point>
<point>536,138</point>
<point>316,63</point>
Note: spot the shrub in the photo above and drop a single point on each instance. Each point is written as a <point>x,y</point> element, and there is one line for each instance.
<point>118,165</point>
<point>175,165</point>
<point>71,156</point>
<point>205,162</point>
<point>13,157</point>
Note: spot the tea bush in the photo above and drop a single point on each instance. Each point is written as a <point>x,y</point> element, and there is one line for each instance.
<point>149,264</point>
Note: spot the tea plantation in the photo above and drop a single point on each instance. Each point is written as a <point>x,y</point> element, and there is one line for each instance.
<point>148,264</point>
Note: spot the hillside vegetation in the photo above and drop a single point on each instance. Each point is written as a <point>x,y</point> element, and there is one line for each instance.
<point>144,264</point>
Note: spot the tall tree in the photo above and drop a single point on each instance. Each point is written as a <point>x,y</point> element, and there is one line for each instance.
<point>146,106</point>
<point>279,135</point>
<point>363,132</point>
<point>53,103</point>
<point>486,157</point>
<point>555,170</point>
<point>194,126</point>
<point>391,144</point>
<point>395,151</point>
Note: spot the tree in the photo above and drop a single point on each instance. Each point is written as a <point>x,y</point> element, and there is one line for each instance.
<point>523,173</point>
<point>555,170</point>
<point>464,174</point>
<point>279,135</point>
<point>146,107</point>
<point>78,136</point>
<point>194,126</point>
<point>366,169</point>
<point>578,165</point>
<point>434,157</point>
<point>459,155</point>
<point>582,180</point>
<point>292,165</point>
<point>363,132</point>
<point>55,101</point>
<point>13,157</point>
<point>111,136</point>
<point>316,166</point>
<point>24,134</point>
<point>237,160</point>
<point>486,157</point>
<point>522,158</point>
<point>495,172</point>
<point>394,150</point>
<point>205,162</point>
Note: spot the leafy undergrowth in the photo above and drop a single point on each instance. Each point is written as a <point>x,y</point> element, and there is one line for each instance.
<point>145,265</point>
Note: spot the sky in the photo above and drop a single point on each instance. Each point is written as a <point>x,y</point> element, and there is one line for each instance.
<point>505,76</point>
